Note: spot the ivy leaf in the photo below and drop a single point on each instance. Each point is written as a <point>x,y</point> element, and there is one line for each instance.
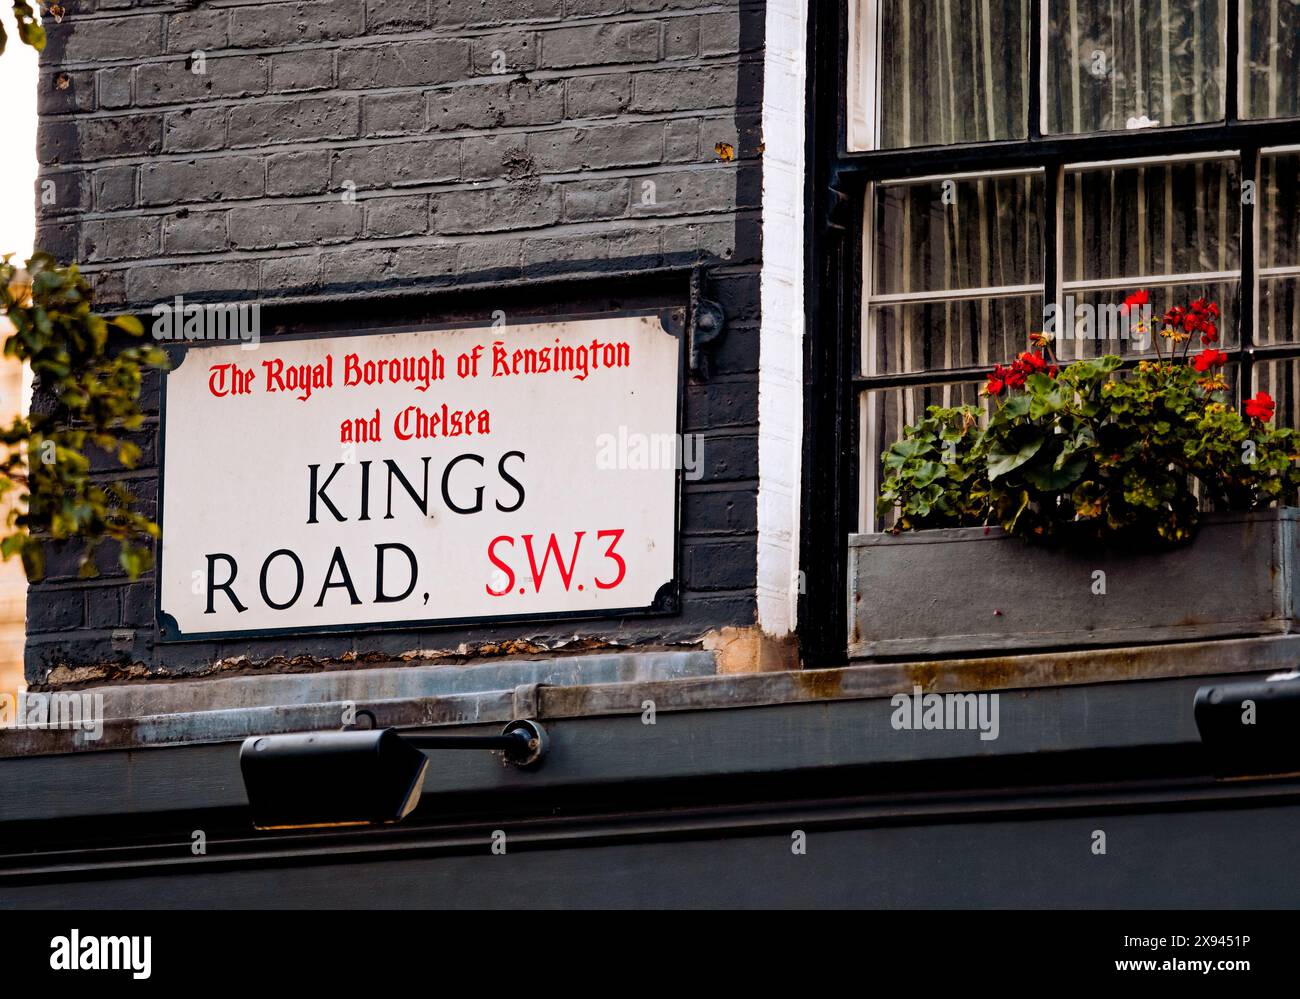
<point>128,323</point>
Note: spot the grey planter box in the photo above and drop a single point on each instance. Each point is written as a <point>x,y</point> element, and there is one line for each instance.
<point>965,591</point>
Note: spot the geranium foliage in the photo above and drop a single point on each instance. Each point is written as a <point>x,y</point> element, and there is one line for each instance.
<point>1089,451</point>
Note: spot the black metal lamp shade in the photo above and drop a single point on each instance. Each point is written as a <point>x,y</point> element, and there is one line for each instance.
<point>313,779</point>
<point>1251,728</point>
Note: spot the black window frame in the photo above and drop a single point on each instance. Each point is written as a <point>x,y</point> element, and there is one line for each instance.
<point>837,182</point>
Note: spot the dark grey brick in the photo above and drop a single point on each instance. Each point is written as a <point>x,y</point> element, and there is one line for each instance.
<point>568,252</point>
<point>496,209</point>
<point>405,216</point>
<point>601,44</point>
<point>681,38</point>
<point>590,8</point>
<point>62,193</point>
<point>198,30</point>
<point>57,238</point>
<point>109,289</point>
<point>392,114</point>
<point>427,261</point>
<point>404,64</point>
<point>652,6</point>
<point>194,130</point>
<point>120,238</point>
<point>103,609</point>
<point>724,566</point>
<point>636,243</point>
<point>282,274</point>
<point>505,53</point>
<point>310,69</point>
<point>598,96</point>
<point>57,615</point>
<point>165,281</point>
<point>598,147</point>
<point>727,33</point>
<point>175,82</point>
<point>487,157</point>
<point>267,226</point>
<point>721,404</point>
<point>138,605</point>
<point>213,178</point>
<point>396,163</point>
<point>589,200</point>
<point>496,104</point>
<point>65,141</point>
<point>113,87</point>
<point>133,37</point>
<point>356,265</point>
<point>494,255</point>
<point>454,13</point>
<point>305,120</point>
<point>305,171</point>
<point>263,24</point>
<point>682,140</point>
<point>385,16</point>
<point>730,511</point>
<point>699,241</point>
<point>66,91</point>
<point>195,232</point>
<point>676,89</point>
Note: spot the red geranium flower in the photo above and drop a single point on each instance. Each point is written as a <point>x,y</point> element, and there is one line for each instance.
<point>1032,361</point>
<point>1208,358</point>
<point>1260,407</point>
<point>1139,297</point>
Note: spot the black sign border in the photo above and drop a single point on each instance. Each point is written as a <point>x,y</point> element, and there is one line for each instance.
<point>667,600</point>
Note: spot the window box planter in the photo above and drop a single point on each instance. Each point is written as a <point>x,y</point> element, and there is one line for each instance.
<point>967,591</point>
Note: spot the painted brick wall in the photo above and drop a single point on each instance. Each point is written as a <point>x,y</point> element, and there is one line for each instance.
<point>487,142</point>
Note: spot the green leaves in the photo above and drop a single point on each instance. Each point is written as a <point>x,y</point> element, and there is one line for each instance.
<point>1018,447</point>
<point>30,31</point>
<point>1097,453</point>
<point>89,380</point>
<point>933,474</point>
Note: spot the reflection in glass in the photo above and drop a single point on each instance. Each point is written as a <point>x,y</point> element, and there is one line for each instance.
<point>1270,86</point>
<point>963,233</point>
<point>1121,64</point>
<point>1180,217</point>
<point>953,71</point>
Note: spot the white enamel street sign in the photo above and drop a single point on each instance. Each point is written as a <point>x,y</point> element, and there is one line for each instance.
<point>437,476</point>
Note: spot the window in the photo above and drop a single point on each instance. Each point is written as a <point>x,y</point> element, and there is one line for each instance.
<point>999,166</point>
<point>1270,85</point>
<point>1133,64</point>
<point>953,71</point>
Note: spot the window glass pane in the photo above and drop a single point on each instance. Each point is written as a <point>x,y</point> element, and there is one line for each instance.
<point>1099,327</point>
<point>952,71</point>
<point>1174,218</point>
<point>952,334</point>
<point>962,233</point>
<point>1279,216</point>
<point>1117,64</point>
<point>1279,310</point>
<point>1270,87</point>
<point>1279,248</point>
